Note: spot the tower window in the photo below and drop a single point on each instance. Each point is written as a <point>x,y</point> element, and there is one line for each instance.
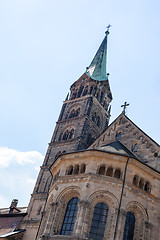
<point>65,135</point>
<point>70,135</point>
<point>129,226</point>
<point>98,221</point>
<point>70,216</point>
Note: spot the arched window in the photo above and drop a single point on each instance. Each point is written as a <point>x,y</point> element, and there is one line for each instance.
<point>109,172</point>
<point>70,135</point>
<point>69,170</point>
<point>135,180</point>
<point>77,112</point>
<point>98,221</point>
<point>135,148</point>
<point>141,183</point>
<point>72,114</point>
<point>70,216</point>
<point>147,187</point>
<point>101,170</point>
<point>83,168</point>
<point>129,226</point>
<point>65,136</point>
<point>76,169</point>
<point>117,173</point>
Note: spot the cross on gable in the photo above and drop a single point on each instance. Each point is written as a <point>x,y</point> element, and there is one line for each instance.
<point>124,107</point>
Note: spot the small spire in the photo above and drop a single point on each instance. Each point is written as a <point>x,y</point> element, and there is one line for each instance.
<point>97,68</point>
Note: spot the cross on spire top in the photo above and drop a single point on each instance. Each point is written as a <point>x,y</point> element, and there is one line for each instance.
<point>124,107</point>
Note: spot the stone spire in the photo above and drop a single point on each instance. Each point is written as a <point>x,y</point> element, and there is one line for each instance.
<point>97,68</point>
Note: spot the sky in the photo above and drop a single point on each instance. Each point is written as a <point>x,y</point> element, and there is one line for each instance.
<point>45,46</point>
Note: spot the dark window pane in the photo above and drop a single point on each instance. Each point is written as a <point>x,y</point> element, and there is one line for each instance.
<point>129,226</point>
<point>69,218</point>
<point>98,221</point>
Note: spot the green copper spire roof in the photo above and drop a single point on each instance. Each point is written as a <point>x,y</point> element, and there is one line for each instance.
<point>97,68</point>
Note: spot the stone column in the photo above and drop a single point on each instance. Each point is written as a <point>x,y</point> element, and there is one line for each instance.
<point>81,223</point>
<point>50,226</point>
<point>121,224</point>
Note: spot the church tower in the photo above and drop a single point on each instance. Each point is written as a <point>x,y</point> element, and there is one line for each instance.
<point>84,116</point>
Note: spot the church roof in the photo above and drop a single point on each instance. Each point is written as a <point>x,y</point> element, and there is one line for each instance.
<point>118,148</point>
<point>97,68</point>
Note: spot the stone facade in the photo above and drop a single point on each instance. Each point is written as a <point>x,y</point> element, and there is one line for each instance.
<point>84,116</point>
<point>93,186</point>
<point>116,165</point>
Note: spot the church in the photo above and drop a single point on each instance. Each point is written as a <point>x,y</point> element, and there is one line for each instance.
<point>99,180</point>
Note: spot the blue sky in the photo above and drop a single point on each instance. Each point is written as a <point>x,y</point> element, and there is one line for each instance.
<point>44,47</point>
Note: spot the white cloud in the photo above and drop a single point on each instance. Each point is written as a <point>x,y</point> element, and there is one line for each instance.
<point>8,156</point>
<point>18,173</point>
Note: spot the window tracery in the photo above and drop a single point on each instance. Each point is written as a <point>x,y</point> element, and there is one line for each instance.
<point>129,226</point>
<point>98,221</point>
<point>70,216</point>
<point>68,134</point>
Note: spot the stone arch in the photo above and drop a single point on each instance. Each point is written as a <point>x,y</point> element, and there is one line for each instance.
<point>105,196</point>
<point>61,201</point>
<point>67,132</point>
<point>68,193</point>
<point>111,201</point>
<point>69,170</point>
<point>141,216</point>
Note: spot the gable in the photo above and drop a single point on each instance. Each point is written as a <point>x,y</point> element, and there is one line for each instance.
<point>137,141</point>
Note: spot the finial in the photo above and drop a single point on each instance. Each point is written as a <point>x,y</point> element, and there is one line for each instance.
<point>108,27</point>
<point>124,107</point>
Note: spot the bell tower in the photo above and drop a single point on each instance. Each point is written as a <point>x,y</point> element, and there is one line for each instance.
<point>84,116</point>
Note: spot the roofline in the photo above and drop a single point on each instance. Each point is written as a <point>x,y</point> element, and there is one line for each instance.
<point>98,150</point>
<point>13,214</point>
<point>132,123</point>
<point>142,130</point>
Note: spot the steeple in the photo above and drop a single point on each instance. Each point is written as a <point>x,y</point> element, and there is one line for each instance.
<point>97,68</point>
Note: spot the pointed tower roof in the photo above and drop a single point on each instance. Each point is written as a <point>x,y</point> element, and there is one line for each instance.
<point>97,68</point>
